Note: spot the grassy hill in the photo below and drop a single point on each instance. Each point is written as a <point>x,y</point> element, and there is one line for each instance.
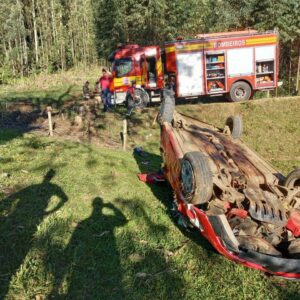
<point>76,223</point>
<point>271,126</point>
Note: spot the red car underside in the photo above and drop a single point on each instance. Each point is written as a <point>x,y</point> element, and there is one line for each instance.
<point>245,190</point>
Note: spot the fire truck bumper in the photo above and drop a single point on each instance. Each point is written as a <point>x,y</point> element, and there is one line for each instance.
<point>119,98</point>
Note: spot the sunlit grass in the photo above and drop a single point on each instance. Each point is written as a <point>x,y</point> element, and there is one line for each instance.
<point>95,232</point>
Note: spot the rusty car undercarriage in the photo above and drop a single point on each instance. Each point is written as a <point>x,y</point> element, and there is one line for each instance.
<point>250,207</point>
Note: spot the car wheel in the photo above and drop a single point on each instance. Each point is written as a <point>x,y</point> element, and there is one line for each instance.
<point>167,107</point>
<point>235,125</point>
<point>240,91</point>
<point>293,179</point>
<point>196,178</point>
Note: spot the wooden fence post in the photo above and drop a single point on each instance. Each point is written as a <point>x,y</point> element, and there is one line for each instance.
<point>49,110</point>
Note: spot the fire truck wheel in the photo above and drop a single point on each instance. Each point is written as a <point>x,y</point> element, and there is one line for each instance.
<point>293,179</point>
<point>235,124</point>
<point>142,97</point>
<point>167,107</point>
<point>196,178</point>
<point>240,91</point>
<point>130,102</point>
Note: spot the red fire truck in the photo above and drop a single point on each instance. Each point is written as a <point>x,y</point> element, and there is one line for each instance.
<point>234,64</point>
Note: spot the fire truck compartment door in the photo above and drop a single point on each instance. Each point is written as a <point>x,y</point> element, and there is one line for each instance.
<point>265,53</point>
<point>190,74</point>
<point>240,62</point>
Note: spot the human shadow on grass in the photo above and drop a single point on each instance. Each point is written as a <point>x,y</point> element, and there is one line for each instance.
<point>153,273</point>
<point>20,215</point>
<point>90,263</point>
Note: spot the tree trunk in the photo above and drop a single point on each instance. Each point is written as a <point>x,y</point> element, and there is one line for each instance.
<point>35,33</point>
<point>43,48</point>
<point>25,51</point>
<point>18,61</point>
<point>12,62</point>
<point>72,49</point>
<point>298,75</point>
<point>290,70</point>
<point>5,50</point>
<point>21,56</point>
<point>53,21</point>
<point>62,58</point>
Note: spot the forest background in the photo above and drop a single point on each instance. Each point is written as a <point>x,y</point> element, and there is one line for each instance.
<point>48,36</point>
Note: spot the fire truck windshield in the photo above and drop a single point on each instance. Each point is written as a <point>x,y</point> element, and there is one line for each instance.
<point>123,66</point>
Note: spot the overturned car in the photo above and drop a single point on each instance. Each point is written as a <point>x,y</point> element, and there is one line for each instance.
<point>246,209</point>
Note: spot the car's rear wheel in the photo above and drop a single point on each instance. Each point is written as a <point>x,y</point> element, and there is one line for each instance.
<point>235,124</point>
<point>167,107</point>
<point>293,179</point>
<point>196,178</point>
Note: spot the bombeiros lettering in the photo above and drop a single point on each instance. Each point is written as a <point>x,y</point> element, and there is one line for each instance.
<point>238,43</point>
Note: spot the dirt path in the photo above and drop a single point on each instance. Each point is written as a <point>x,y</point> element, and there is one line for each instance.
<point>77,120</point>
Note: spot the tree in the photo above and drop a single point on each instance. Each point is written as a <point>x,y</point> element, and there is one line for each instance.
<point>111,27</point>
<point>52,35</point>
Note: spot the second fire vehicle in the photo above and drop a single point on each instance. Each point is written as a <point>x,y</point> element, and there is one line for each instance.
<point>234,64</point>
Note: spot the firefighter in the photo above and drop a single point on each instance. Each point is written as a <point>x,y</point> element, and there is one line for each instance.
<point>86,91</point>
<point>171,83</point>
<point>97,92</point>
<point>105,82</point>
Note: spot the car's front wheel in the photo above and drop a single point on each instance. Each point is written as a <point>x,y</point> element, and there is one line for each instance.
<point>196,178</point>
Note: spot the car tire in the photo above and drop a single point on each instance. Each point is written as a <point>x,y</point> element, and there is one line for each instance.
<point>196,178</point>
<point>240,91</point>
<point>167,107</point>
<point>235,124</point>
<point>293,179</point>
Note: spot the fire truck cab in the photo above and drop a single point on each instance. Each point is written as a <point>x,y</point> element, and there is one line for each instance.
<point>235,64</point>
<point>143,65</point>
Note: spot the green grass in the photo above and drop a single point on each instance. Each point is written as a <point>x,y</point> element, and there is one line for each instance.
<point>46,89</point>
<point>93,231</point>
